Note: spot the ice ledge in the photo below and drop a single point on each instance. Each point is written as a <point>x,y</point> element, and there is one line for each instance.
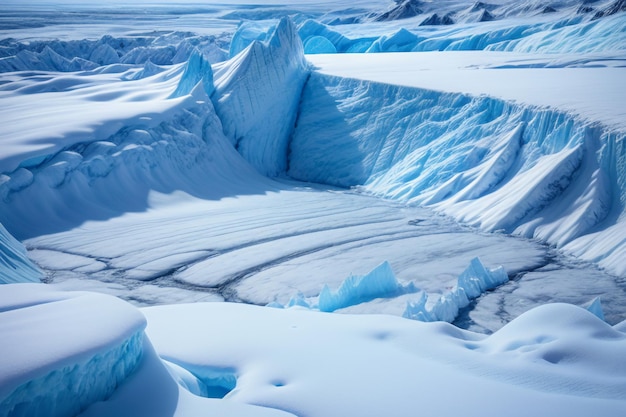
<point>63,351</point>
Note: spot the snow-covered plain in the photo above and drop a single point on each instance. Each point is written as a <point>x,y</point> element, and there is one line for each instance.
<point>441,161</point>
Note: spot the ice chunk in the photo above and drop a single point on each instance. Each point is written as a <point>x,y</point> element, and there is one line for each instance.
<point>380,282</point>
<point>596,308</point>
<point>86,345</point>
<point>472,283</point>
<point>257,95</point>
<point>14,263</point>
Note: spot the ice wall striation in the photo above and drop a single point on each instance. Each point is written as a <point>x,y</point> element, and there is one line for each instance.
<point>499,166</point>
<point>14,263</point>
<point>86,345</point>
<point>257,94</point>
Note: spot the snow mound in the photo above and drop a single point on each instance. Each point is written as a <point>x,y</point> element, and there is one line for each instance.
<point>557,359</point>
<point>256,97</point>
<point>14,263</point>
<point>86,345</point>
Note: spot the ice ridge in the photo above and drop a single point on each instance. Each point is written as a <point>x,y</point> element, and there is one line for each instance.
<point>14,263</point>
<point>472,283</point>
<point>564,35</point>
<point>82,55</point>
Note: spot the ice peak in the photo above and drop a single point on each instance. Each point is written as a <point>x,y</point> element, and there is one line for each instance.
<point>197,69</point>
<point>257,96</point>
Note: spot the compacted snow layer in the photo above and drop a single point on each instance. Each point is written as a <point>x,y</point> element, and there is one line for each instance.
<point>63,351</point>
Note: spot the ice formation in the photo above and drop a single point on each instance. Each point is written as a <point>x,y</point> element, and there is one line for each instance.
<point>567,35</point>
<point>14,263</point>
<point>380,282</point>
<point>257,94</point>
<point>501,166</point>
<point>63,351</point>
<point>472,283</point>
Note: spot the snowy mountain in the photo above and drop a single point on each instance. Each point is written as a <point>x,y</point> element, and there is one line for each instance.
<point>452,161</point>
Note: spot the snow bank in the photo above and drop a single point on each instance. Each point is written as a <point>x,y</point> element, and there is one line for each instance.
<point>14,263</point>
<point>497,165</point>
<point>256,97</point>
<point>63,351</point>
<point>95,180</point>
<point>554,360</point>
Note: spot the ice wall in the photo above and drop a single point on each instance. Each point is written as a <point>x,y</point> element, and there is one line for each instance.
<point>380,282</point>
<point>62,352</point>
<point>256,97</point>
<point>14,263</point>
<point>499,166</point>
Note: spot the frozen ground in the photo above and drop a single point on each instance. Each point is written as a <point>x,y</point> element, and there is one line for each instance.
<point>463,162</point>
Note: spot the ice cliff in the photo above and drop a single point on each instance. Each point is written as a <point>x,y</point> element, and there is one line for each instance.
<point>500,166</point>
